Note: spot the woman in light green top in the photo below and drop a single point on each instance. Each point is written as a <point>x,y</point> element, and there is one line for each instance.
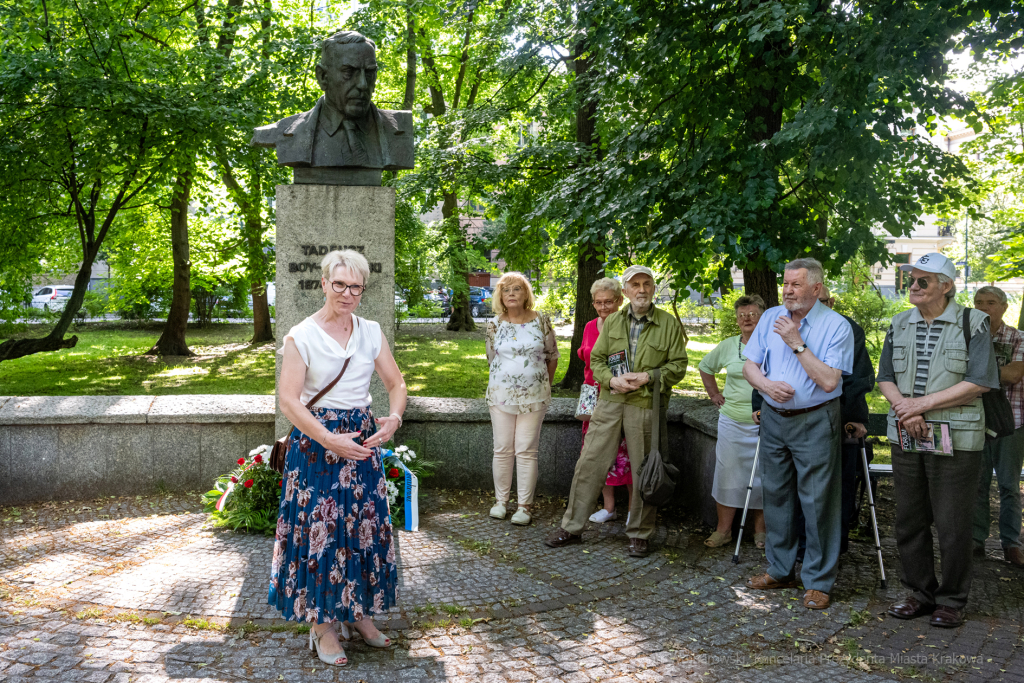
<point>737,433</point>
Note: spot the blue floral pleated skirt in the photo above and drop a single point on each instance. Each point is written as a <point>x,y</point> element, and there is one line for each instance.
<point>334,550</point>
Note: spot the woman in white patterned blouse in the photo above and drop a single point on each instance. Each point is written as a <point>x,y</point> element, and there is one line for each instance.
<point>523,355</point>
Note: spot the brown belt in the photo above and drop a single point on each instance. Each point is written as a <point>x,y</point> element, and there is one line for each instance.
<point>798,411</point>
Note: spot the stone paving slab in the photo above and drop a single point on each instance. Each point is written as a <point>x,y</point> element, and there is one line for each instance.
<point>480,600</point>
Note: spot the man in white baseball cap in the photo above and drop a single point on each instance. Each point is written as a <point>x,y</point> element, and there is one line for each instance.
<point>933,262</point>
<point>937,361</point>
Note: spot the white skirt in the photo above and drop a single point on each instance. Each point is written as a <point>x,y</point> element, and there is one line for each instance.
<point>734,458</point>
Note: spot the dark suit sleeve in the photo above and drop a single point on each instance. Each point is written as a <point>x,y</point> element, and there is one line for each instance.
<point>859,383</point>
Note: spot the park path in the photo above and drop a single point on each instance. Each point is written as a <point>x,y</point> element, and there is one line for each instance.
<point>143,589</point>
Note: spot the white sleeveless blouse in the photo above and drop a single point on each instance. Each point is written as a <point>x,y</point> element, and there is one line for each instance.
<point>324,358</point>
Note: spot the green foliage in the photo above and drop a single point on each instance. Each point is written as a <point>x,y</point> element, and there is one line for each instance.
<point>743,134</point>
<point>857,296</point>
<point>725,315</point>
<point>248,496</point>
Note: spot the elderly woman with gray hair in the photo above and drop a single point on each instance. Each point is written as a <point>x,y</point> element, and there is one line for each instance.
<point>334,551</point>
<point>737,431</point>
<point>607,298</point>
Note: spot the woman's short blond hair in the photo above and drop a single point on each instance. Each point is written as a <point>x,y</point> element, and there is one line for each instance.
<point>345,258</point>
<point>508,280</point>
<point>607,284</point>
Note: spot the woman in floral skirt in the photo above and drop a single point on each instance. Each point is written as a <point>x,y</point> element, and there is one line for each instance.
<point>334,551</point>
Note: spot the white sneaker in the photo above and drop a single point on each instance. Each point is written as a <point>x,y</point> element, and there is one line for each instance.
<point>498,511</point>
<point>522,517</point>
<point>602,516</point>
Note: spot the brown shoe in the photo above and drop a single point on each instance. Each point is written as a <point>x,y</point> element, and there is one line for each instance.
<point>767,582</point>
<point>560,537</point>
<point>1014,556</point>
<point>638,547</point>
<point>815,599</point>
<point>910,608</point>
<point>947,617</point>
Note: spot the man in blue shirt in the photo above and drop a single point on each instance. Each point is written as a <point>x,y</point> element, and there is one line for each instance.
<point>796,359</point>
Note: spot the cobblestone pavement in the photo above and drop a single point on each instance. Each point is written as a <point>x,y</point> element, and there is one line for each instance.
<point>141,589</point>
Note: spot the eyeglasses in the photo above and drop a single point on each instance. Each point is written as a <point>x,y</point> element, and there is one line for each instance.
<point>825,301</point>
<point>747,316</point>
<point>340,287</point>
<point>922,283</point>
<point>514,290</point>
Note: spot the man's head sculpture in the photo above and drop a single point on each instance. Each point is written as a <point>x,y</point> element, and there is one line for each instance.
<point>347,73</point>
<point>344,132</point>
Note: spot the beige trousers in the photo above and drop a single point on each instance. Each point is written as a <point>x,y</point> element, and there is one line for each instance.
<point>608,423</point>
<point>516,440</point>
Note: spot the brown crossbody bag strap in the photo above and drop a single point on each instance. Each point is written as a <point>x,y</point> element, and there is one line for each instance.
<point>280,449</point>
<point>323,392</point>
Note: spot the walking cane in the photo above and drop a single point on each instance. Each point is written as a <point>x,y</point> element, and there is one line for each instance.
<point>871,503</point>
<point>746,504</point>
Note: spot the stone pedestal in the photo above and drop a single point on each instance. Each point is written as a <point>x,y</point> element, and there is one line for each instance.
<point>315,219</point>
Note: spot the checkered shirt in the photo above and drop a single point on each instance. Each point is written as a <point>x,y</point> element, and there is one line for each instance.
<point>1008,344</point>
<point>636,326</point>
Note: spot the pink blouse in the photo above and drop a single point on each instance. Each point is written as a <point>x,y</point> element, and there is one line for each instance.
<point>590,335</point>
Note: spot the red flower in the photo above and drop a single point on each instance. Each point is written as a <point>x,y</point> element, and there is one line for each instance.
<point>258,458</point>
<point>234,479</point>
<point>394,473</point>
<point>241,461</point>
<point>280,483</point>
<point>248,483</point>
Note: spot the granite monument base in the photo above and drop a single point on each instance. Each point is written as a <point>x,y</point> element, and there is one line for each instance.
<point>313,220</point>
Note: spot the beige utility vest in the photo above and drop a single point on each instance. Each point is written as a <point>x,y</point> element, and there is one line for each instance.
<point>947,368</point>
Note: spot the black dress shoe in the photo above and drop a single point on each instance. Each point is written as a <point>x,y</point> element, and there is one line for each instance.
<point>910,608</point>
<point>638,547</point>
<point>560,537</point>
<point>947,617</point>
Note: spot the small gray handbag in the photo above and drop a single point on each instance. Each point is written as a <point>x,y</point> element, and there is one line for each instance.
<point>657,477</point>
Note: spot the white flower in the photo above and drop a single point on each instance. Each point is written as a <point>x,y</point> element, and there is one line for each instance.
<point>261,450</point>
<point>392,493</point>
<point>401,449</point>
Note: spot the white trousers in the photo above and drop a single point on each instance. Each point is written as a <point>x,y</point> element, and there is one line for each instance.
<point>516,440</point>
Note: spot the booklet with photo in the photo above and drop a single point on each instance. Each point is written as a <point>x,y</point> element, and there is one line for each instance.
<point>618,363</point>
<point>938,439</point>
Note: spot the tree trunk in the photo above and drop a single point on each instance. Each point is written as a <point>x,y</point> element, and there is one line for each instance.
<point>55,341</point>
<point>589,255</point>
<point>172,340</point>
<point>461,320</point>
<point>262,331</point>
<point>763,281</point>
<point>590,268</point>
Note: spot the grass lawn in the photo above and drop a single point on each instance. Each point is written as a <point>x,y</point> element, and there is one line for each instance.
<point>108,360</point>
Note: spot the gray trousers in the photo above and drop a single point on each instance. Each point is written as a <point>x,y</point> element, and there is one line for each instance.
<point>800,459</point>
<point>940,490</point>
<point>1005,456</point>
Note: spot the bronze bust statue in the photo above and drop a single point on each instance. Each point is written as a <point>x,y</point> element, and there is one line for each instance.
<point>344,133</point>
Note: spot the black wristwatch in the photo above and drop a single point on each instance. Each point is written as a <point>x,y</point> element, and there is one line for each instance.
<point>800,349</point>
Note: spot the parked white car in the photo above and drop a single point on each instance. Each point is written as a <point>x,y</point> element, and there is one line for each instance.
<point>52,297</point>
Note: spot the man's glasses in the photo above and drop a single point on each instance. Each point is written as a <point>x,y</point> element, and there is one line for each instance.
<point>340,287</point>
<point>825,301</point>
<point>922,283</point>
<point>747,316</point>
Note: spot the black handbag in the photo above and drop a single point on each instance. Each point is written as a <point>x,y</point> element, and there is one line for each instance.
<point>657,477</point>
<point>998,413</point>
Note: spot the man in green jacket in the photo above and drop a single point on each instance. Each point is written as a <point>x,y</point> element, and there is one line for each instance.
<point>635,340</point>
